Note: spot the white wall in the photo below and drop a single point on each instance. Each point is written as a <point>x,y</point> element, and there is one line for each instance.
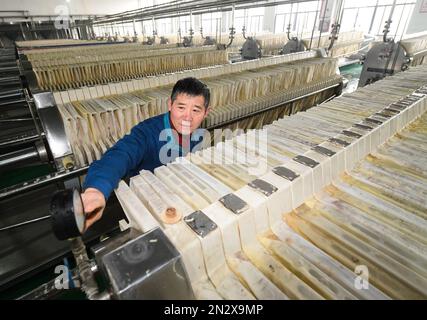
<point>418,21</point>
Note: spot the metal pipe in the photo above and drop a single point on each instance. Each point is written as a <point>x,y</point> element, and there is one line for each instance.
<point>396,46</point>
<point>5,103</point>
<point>137,11</point>
<point>388,23</point>
<point>89,285</point>
<point>18,156</point>
<point>38,151</point>
<point>17,225</point>
<point>19,140</point>
<point>193,5</point>
<point>325,8</point>
<point>8,80</point>
<point>373,17</point>
<point>15,120</point>
<point>8,62</point>
<point>232,30</point>
<point>314,24</point>
<point>201,26</point>
<point>11,95</point>
<point>9,69</point>
<point>140,10</point>
<point>154,30</point>
<point>191,28</point>
<point>39,182</point>
<point>8,57</point>
<point>24,12</point>
<point>10,91</point>
<point>336,26</point>
<point>399,46</point>
<point>288,33</point>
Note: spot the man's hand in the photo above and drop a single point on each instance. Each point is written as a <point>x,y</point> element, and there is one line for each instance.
<point>94,205</point>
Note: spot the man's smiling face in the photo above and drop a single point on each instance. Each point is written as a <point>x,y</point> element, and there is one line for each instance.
<point>187,112</point>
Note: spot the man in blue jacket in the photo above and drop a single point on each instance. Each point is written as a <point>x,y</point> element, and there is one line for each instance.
<point>150,144</point>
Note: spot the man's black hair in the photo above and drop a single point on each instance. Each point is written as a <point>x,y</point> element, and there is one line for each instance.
<point>192,87</point>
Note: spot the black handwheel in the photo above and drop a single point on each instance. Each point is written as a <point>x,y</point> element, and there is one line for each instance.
<point>68,218</point>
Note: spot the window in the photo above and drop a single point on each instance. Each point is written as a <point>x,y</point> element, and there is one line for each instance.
<point>164,26</point>
<point>304,16</point>
<point>280,24</point>
<point>210,22</point>
<point>255,24</point>
<point>348,19</point>
<point>400,19</point>
<point>363,19</point>
<point>370,16</point>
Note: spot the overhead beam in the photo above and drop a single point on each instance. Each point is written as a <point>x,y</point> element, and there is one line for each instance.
<point>183,9</point>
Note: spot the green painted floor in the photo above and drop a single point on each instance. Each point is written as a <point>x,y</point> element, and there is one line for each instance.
<point>352,70</point>
<point>352,74</point>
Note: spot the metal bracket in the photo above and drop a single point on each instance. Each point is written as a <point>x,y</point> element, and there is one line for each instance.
<point>53,127</point>
<point>412,98</point>
<point>363,127</point>
<point>382,114</point>
<point>390,110</point>
<point>285,173</point>
<point>399,106</point>
<point>200,223</point>
<point>306,161</point>
<point>262,186</point>
<point>421,91</point>
<point>351,134</point>
<point>324,151</point>
<point>377,122</point>
<point>234,203</point>
<point>404,102</point>
<point>339,142</point>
